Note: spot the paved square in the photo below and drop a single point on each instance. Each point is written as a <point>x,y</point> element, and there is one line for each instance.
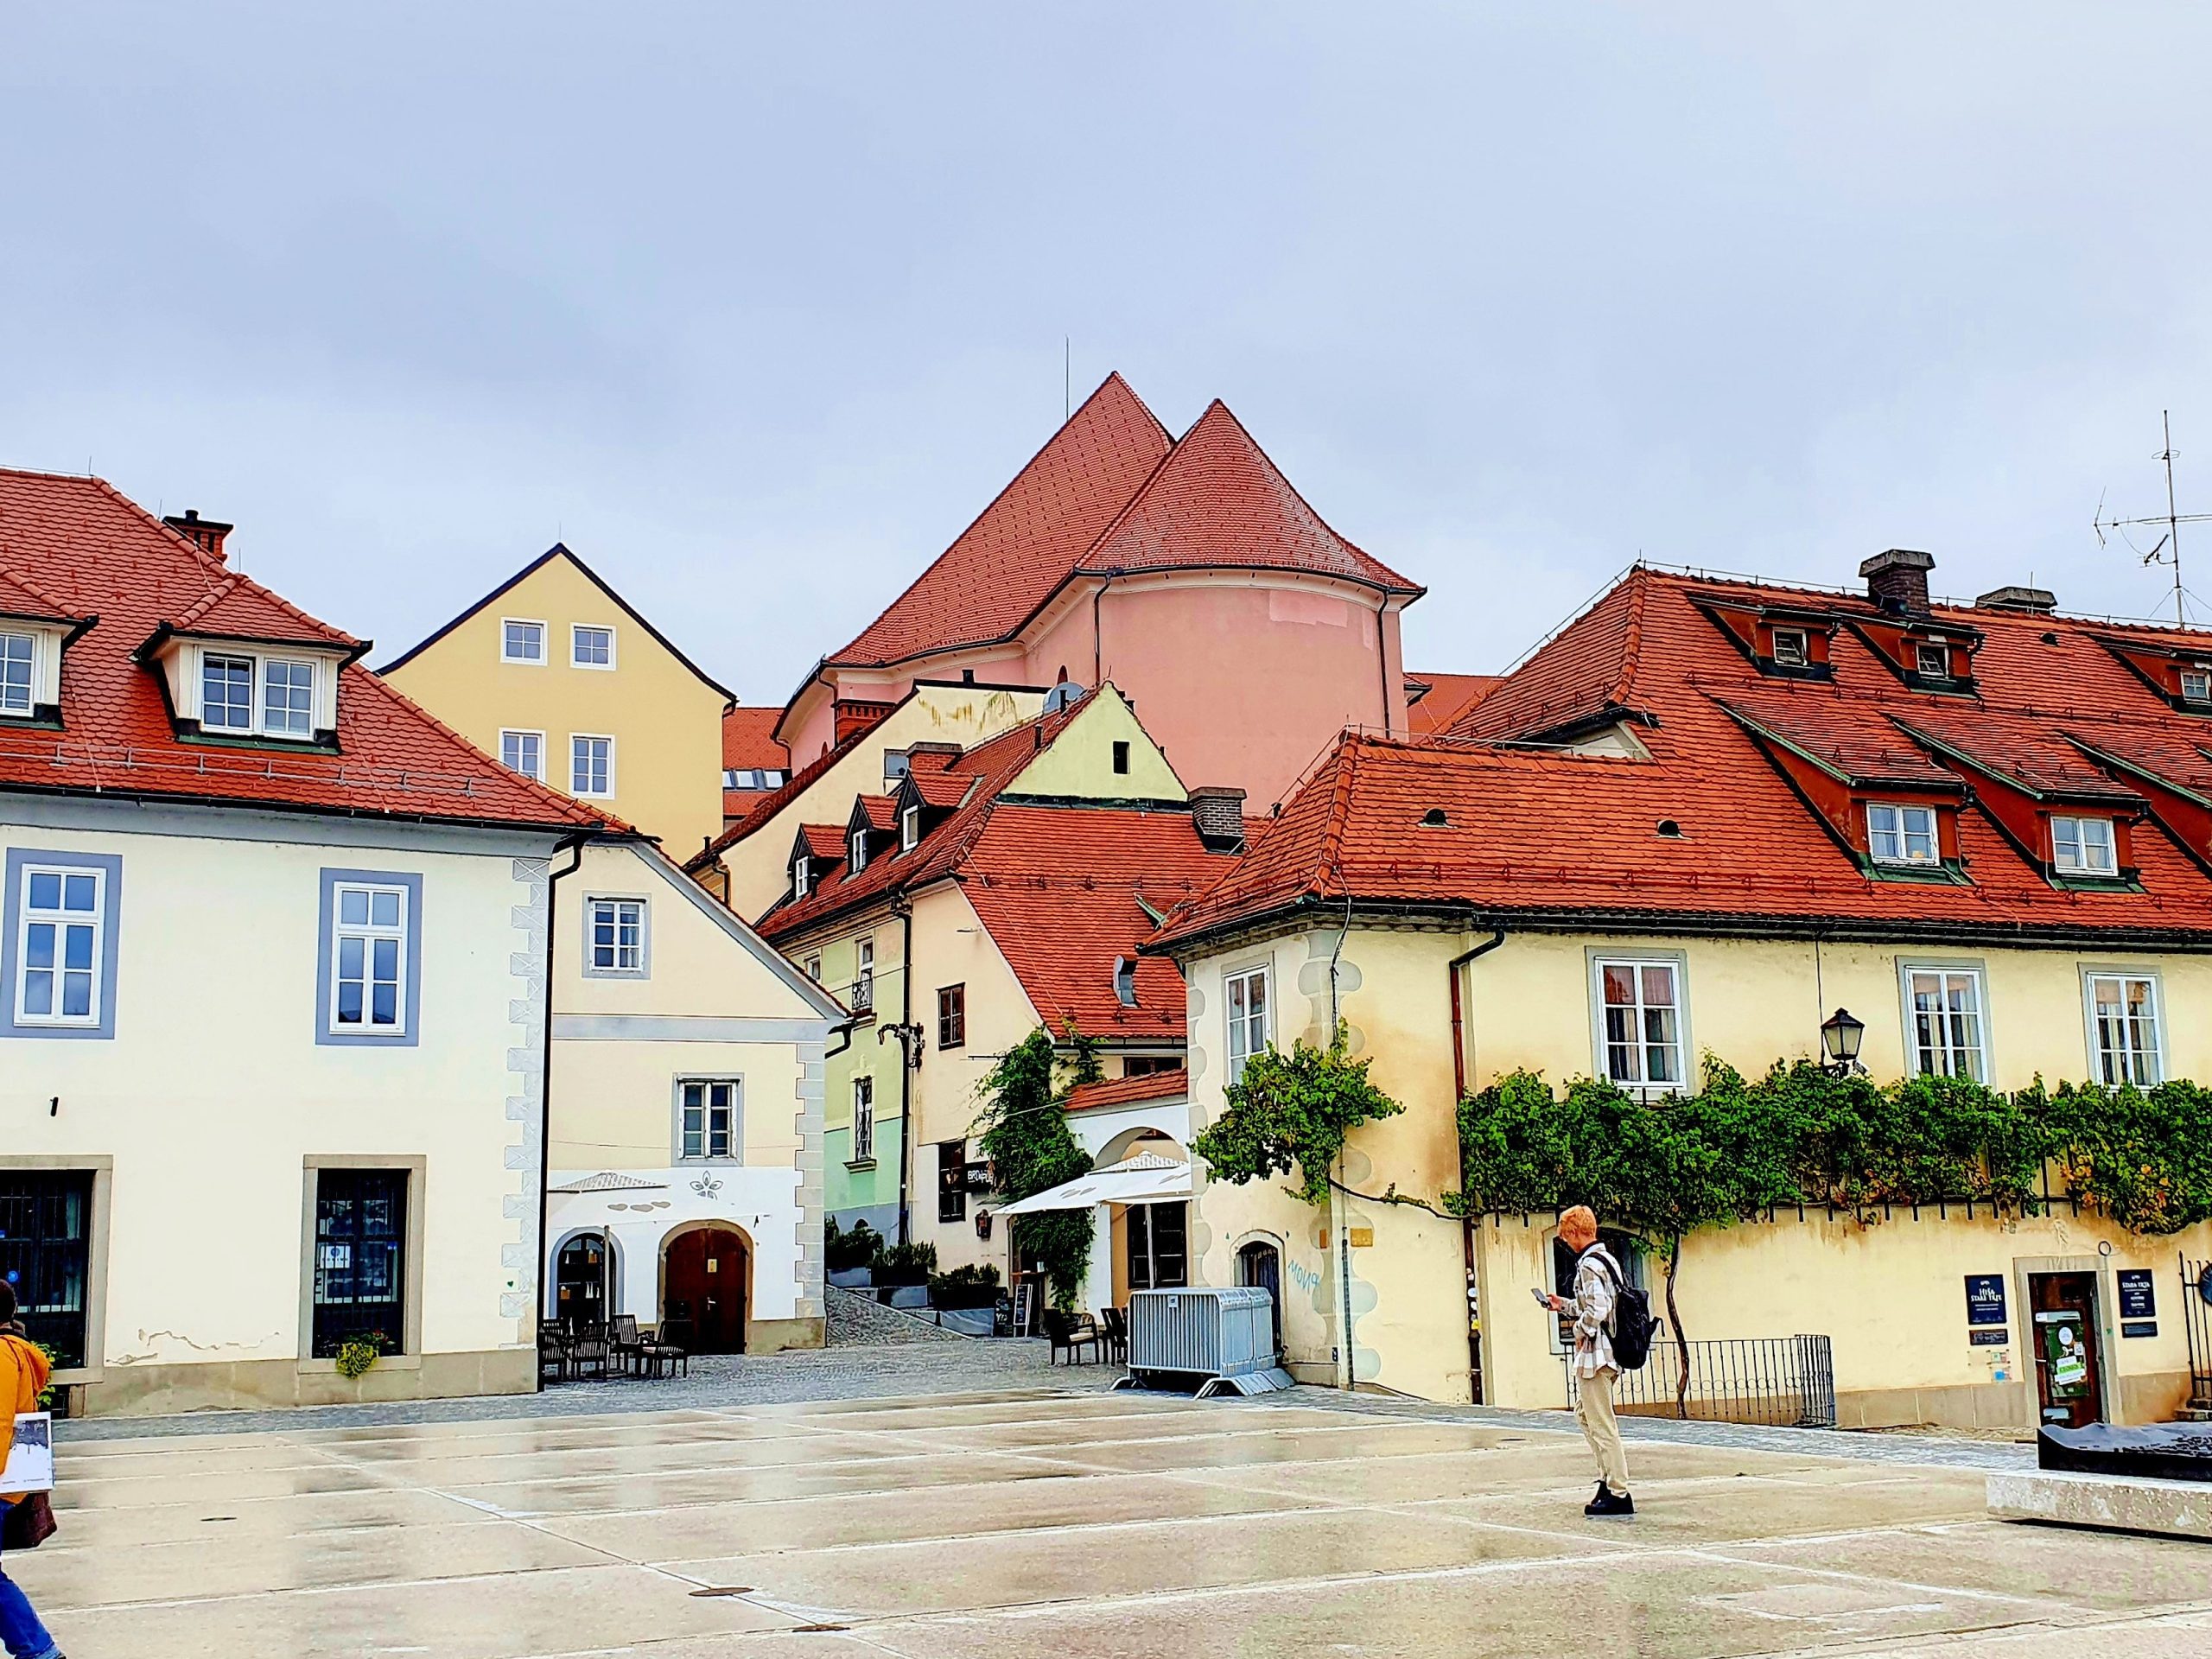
<point>1024,1523</point>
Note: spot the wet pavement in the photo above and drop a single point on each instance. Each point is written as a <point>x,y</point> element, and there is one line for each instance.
<point>1022,1522</point>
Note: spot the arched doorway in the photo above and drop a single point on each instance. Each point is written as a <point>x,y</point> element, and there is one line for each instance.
<point>584,1278</point>
<point>1259,1263</point>
<point>706,1289</point>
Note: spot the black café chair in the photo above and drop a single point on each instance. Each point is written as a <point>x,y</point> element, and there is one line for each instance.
<point>1117,1334</point>
<point>1068,1333</point>
<point>624,1343</point>
<point>552,1353</point>
<point>588,1350</point>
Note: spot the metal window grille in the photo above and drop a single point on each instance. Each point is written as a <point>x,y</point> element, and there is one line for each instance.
<point>360,1250</point>
<point>2196,1320</point>
<point>46,1219</point>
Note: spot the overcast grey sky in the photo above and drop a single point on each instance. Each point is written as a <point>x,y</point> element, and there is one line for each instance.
<point>756,306</point>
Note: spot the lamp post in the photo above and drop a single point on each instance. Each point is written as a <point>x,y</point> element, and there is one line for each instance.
<point>1840,1036</point>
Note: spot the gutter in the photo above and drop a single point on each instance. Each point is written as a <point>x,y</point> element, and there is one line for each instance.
<point>542,1275</point>
<point>903,908</point>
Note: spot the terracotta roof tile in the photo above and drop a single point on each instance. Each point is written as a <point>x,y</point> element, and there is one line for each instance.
<point>87,549</point>
<point>749,739</point>
<point>1435,702</point>
<point>1123,1091</point>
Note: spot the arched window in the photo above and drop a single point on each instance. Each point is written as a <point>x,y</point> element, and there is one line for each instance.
<point>582,1276</point>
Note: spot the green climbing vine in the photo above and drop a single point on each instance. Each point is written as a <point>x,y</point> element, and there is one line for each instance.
<point>1292,1112</point>
<point>1025,1134</point>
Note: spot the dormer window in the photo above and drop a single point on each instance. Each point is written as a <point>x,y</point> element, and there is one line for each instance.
<point>856,856</point>
<point>1933,658</point>
<point>1901,835</point>
<point>2197,685</point>
<point>18,657</point>
<point>798,881</point>
<point>910,828</point>
<point>2083,847</point>
<point>1125,982</point>
<point>1789,648</point>
<point>228,702</point>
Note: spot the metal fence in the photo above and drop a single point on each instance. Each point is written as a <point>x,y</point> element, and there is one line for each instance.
<point>1782,1382</point>
<point>2196,1320</point>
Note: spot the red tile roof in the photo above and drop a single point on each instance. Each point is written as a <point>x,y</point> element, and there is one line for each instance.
<point>1434,702</point>
<point>1023,546</point>
<point>82,547</point>
<point>749,739</point>
<point>1570,839</point>
<point>1123,1091</point>
<point>1109,493</point>
<point>765,807</point>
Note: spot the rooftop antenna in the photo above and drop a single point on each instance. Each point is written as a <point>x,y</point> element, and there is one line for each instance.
<point>2167,549</point>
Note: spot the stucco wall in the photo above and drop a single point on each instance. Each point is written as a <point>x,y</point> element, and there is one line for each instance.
<point>1890,1297</point>
<point>665,721</point>
<point>214,1093</point>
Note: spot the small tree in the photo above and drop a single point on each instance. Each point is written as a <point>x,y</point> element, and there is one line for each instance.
<point>1292,1112</point>
<point>1024,1133</point>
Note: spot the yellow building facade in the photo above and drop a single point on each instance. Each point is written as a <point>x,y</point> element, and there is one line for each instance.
<point>554,675</point>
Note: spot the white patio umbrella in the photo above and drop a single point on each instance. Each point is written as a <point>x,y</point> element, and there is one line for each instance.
<point>1144,1178</point>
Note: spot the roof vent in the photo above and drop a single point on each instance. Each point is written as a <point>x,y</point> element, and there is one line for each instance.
<point>1435,818</point>
<point>205,534</point>
<point>1670,829</point>
<point>1065,695</point>
<point>1219,814</point>
<point>2033,602</point>
<point>1897,580</point>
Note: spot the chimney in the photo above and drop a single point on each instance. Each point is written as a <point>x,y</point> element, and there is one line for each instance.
<point>205,534</point>
<point>1219,814</point>
<point>1897,581</point>
<point>2032,601</point>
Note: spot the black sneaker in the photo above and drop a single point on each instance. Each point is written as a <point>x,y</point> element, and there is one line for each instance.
<point>1606,1504</point>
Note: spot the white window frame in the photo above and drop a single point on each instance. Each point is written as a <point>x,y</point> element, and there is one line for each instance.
<point>910,827</point>
<point>506,655</point>
<point>518,734</point>
<point>2078,864</point>
<point>863,1119</point>
<point>799,862</point>
<point>370,933</point>
<point>2100,1070</point>
<point>269,726</point>
<point>626,960</point>
<point>864,976</point>
<point>1941,1057</point>
<point>209,659</point>
<point>2204,678</point>
<point>1248,1032</point>
<point>1920,649</point>
<point>733,1131</point>
<point>605,794</point>
<point>1902,834</point>
<point>1803,647</point>
<point>814,969</point>
<point>258,722</point>
<point>1677,964</point>
<point>31,644</point>
<point>856,851</point>
<point>61,920</point>
<point>577,631</point>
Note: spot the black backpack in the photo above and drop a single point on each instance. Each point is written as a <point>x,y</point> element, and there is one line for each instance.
<point>1633,1325</point>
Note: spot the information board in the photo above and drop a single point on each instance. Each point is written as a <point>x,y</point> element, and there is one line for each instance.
<point>1986,1298</point>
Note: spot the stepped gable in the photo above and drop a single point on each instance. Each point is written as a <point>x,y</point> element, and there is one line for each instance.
<point>1219,503</point>
<point>2054,711</point>
<point>1023,546</point>
<point>77,544</point>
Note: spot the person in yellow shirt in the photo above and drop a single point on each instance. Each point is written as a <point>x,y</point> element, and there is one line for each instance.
<point>23,1372</point>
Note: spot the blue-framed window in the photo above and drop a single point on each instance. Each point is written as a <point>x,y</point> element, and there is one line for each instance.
<point>369,959</point>
<point>59,944</point>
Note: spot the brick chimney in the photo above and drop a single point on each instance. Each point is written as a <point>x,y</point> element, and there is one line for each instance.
<point>1897,581</point>
<point>1219,814</point>
<point>2034,601</point>
<point>205,534</point>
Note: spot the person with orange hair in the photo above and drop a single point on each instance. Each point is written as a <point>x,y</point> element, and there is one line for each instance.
<point>1597,1285</point>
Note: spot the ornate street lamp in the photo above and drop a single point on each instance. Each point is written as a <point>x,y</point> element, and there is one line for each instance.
<point>1840,1036</point>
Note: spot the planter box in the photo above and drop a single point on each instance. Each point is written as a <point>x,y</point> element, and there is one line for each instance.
<point>907,1295</point>
<point>853,1277</point>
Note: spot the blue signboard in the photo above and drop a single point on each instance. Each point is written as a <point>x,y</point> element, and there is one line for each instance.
<point>2139,1296</point>
<point>1986,1298</point>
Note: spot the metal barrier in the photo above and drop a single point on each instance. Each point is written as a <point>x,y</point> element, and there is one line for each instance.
<point>1782,1382</point>
<point>2196,1320</point>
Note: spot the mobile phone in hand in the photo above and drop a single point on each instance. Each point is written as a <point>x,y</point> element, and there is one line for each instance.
<point>1542,1300</point>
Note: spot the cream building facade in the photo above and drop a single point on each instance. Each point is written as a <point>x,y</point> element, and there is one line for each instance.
<point>555,676</point>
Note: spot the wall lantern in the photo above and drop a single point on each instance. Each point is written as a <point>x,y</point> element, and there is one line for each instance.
<point>1840,1036</point>
<point>982,1224</point>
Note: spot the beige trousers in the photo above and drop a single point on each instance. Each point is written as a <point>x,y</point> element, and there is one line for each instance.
<point>1593,1409</point>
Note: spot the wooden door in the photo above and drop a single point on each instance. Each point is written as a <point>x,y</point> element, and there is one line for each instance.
<point>2069,1379</point>
<point>705,1296</point>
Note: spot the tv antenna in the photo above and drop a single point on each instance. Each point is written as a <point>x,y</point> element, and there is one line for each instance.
<point>2167,549</point>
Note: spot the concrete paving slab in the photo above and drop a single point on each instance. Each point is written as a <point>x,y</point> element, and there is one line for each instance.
<point>599,1494</point>
<point>1718,1510</point>
<point>1100,1428</point>
<point>461,1464</point>
<point>224,1524</point>
<point>1209,1451</point>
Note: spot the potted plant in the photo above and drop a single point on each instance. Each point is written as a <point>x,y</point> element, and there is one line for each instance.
<point>902,1277</point>
<point>851,1257</point>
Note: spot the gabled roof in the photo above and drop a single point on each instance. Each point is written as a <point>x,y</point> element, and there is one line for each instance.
<point>1024,545</point>
<point>1111,495</point>
<point>83,547</point>
<point>765,807</point>
<point>749,739</point>
<point>558,550</point>
<point>20,598</point>
<point>940,787</point>
<point>1558,839</point>
<point>1218,503</point>
<point>1125,1091</point>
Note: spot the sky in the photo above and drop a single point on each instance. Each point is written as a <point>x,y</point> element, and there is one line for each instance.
<point>756,307</point>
